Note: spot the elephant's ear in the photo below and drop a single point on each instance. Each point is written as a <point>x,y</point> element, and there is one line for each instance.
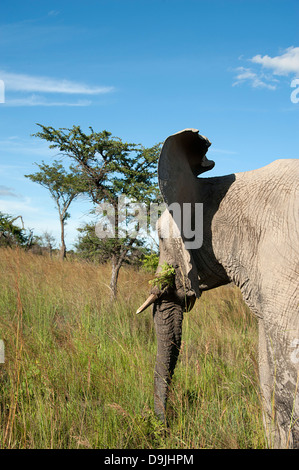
<point>182,159</point>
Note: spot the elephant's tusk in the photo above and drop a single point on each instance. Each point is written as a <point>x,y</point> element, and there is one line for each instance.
<point>149,301</point>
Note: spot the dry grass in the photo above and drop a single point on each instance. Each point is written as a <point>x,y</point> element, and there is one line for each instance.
<point>78,370</point>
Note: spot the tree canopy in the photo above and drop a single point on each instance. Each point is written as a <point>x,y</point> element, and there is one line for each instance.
<point>64,187</point>
<point>10,233</point>
<point>108,169</point>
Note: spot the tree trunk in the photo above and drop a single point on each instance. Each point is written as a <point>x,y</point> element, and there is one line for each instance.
<point>117,261</point>
<point>114,277</point>
<point>62,247</point>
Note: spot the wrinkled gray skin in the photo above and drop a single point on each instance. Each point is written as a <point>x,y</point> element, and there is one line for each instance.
<point>250,237</point>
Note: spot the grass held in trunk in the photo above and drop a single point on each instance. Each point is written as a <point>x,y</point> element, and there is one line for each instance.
<point>165,278</point>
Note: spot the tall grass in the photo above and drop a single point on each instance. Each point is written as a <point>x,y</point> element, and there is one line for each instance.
<point>78,370</point>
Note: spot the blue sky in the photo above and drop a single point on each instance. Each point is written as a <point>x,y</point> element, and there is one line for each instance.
<point>144,69</point>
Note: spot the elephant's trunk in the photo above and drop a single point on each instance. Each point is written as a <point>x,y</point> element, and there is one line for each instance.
<point>168,317</point>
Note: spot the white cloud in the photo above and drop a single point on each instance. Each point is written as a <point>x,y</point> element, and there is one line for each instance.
<point>53,13</point>
<point>35,100</point>
<point>34,217</point>
<point>284,64</point>
<point>45,219</point>
<point>17,156</point>
<point>26,90</point>
<point>5,191</point>
<point>29,83</point>
<point>256,80</point>
<point>19,206</point>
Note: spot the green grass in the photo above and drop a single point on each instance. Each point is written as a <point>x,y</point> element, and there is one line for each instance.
<point>78,370</point>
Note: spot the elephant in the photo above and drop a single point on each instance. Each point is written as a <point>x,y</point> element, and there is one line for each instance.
<point>249,238</point>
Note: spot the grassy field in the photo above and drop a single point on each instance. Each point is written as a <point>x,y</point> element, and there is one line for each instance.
<point>78,370</point>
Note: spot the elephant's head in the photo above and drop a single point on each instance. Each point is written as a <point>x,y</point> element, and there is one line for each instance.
<point>182,158</point>
<point>238,245</point>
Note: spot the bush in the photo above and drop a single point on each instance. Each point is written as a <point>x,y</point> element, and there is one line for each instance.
<point>150,262</point>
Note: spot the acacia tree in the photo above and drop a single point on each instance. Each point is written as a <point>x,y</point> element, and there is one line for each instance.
<point>64,187</point>
<point>110,168</point>
<point>10,234</point>
<point>89,246</point>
